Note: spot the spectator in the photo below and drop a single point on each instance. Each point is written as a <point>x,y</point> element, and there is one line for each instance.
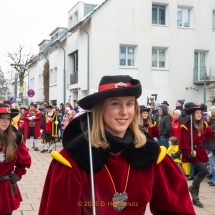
<point>68,104</point>
<point>72,115</point>
<point>75,106</point>
<point>175,124</point>
<point>154,111</point>
<point>179,104</point>
<point>165,126</point>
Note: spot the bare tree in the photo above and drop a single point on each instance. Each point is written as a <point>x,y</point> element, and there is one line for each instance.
<point>21,62</point>
<point>46,81</point>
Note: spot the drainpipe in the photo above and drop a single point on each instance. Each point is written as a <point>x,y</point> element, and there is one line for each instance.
<point>64,73</point>
<point>205,85</point>
<point>88,60</point>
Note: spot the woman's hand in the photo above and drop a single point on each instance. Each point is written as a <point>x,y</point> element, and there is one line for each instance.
<point>13,178</point>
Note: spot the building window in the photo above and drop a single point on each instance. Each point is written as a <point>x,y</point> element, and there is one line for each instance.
<point>214,20</point>
<point>158,58</point>
<point>126,56</point>
<point>70,22</point>
<point>51,77</point>
<point>75,17</point>
<point>75,61</point>
<point>74,72</point>
<point>199,65</point>
<point>183,17</point>
<point>55,75</point>
<point>158,14</point>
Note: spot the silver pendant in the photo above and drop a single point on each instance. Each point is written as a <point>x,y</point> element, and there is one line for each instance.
<point>119,201</point>
<point>2,157</point>
<point>199,133</point>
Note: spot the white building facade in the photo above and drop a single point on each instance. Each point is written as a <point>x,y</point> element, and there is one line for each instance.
<point>169,45</point>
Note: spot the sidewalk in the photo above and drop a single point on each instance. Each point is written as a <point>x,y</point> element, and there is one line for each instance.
<point>31,187</point>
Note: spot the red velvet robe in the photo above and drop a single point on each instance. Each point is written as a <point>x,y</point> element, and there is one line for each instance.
<point>152,131</point>
<point>184,143</point>
<point>175,129</point>
<point>8,202</point>
<point>37,123</point>
<point>67,190</point>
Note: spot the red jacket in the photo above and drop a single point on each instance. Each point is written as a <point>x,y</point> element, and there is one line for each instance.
<point>36,120</point>
<point>152,131</point>
<point>9,202</point>
<point>175,129</point>
<point>154,184</point>
<point>184,143</point>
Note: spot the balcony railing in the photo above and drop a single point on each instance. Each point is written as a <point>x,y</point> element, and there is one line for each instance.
<point>74,78</point>
<point>202,75</point>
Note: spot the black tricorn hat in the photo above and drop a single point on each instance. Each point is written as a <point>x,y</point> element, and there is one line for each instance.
<point>22,107</point>
<point>49,106</point>
<point>112,86</point>
<point>33,104</point>
<point>165,103</point>
<point>4,109</point>
<point>193,109</point>
<point>144,108</point>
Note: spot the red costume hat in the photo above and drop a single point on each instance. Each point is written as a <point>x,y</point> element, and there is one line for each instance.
<point>4,109</point>
<point>112,86</point>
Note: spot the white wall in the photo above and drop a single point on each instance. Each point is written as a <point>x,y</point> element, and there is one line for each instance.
<point>129,22</point>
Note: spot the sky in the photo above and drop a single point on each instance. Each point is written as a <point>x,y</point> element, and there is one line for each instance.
<point>28,22</point>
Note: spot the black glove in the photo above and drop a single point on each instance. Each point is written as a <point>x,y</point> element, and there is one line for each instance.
<point>191,157</point>
<point>177,154</point>
<point>13,178</point>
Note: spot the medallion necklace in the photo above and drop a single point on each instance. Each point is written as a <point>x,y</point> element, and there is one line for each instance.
<point>119,199</point>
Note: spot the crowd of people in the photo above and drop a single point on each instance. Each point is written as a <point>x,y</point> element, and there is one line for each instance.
<point>138,153</point>
<point>189,124</point>
<point>44,122</point>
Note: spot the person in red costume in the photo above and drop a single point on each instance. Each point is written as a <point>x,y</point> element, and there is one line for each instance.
<point>130,170</point>
<point>14,159</point>
<point>32,119</point>
<point>147,123</point>
<point>175,124</point>
<point>199,131</point>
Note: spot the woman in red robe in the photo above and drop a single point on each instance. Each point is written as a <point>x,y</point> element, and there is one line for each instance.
<point>199,131</point>
<point>130,170</point>
<point>14,159</point>
<point>147,123</point>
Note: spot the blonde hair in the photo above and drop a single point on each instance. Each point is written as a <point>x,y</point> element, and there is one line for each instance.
<point>97,134</point>
<point>169,112</point>
<point>149,119</point>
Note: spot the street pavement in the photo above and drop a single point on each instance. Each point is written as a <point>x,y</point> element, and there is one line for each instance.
<point>31,187</point>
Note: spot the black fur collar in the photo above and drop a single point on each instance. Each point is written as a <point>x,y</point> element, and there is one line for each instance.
<point>77,147</point>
